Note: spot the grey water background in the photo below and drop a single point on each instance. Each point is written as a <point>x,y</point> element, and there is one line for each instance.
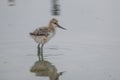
<point>88,50</point>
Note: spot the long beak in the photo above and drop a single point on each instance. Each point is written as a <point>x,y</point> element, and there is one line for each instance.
<point>60,26</point>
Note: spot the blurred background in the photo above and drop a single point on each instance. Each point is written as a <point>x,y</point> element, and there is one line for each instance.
<point>88,49</point>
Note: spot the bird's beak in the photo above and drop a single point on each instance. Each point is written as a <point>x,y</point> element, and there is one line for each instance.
<point>60,26</point>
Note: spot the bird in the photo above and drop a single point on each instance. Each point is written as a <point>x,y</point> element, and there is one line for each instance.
<point>42,35</point>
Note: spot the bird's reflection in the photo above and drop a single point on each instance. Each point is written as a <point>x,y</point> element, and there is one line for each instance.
<point>45,69</point>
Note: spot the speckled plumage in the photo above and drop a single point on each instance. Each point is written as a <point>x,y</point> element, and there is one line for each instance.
<point>43,34</point>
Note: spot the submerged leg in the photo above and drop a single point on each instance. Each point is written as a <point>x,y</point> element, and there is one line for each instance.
<point>38,51</point>
<point>41,52</point>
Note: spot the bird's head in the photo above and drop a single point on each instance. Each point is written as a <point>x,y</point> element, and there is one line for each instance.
<point>55,22</point>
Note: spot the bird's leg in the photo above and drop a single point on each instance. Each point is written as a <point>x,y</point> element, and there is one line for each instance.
<point>41,52</point>
<point>38,51</point>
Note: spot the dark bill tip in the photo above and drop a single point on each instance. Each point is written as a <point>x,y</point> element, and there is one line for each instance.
<point>61,27</point>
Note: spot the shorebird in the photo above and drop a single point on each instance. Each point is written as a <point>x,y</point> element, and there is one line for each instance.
<point>43,34</point>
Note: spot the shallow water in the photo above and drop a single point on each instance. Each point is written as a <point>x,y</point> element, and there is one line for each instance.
<point>88,50</point>
<point>94,62</point>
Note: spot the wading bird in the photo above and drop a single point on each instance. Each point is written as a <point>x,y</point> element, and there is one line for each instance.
<point>43,34</point>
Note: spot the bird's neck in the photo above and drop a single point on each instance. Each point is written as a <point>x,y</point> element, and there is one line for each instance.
<point>52,26</point>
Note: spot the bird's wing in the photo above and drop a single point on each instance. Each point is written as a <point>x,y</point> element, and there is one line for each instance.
<point>43,31</point>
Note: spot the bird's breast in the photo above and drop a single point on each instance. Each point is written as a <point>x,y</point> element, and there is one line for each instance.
<point>51,34</point>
